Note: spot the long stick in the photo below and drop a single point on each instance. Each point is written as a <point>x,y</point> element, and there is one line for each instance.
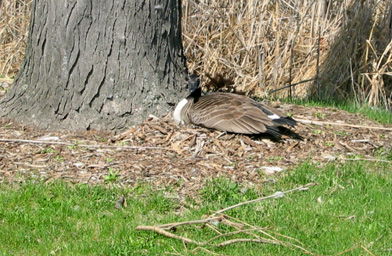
<point>305,121</point>
<point>242,240</point>
<point>168,234</point>
<point>172,225</point>
<point>72,144</point>
<point>367,159</point>
<point>266,197</point>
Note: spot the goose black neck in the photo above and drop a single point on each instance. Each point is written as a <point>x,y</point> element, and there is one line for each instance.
<point>196,93</point>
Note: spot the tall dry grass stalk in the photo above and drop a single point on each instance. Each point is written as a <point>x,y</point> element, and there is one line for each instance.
<point>342,47</point>
<point>264,45</point>
<point>14,27</point>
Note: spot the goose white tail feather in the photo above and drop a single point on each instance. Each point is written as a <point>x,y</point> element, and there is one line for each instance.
<point>274,116</point>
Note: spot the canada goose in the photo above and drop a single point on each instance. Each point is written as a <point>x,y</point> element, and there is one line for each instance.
<point>228,112</point>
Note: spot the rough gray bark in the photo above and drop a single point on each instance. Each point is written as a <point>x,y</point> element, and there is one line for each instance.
<point>101,65</point>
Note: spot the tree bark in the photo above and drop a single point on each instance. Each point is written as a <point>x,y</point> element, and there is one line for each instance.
<point>101,65</point>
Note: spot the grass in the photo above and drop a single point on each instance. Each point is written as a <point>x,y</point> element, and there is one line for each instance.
<point>349,208</point>
<point>380,115</point>
<point>59,218</point>
<point>112,175</point>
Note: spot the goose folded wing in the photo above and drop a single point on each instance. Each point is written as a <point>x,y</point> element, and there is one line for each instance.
<point>231,116</point>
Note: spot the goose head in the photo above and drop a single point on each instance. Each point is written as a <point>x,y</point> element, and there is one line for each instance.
<point>195,93</point>
<point>194,86</point>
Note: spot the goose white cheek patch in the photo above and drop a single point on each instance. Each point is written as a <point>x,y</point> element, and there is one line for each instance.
<point>274,116</point>
<point>177,111</point>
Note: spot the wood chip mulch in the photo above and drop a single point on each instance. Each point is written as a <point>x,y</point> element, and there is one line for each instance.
<point>160,152</point>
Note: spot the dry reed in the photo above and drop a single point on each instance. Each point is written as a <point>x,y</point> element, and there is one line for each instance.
<point>14,27</point>
<point>342,47</point>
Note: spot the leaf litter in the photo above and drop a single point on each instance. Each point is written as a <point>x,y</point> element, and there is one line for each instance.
<point>184,157</point>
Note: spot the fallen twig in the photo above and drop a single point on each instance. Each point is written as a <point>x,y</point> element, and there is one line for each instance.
<point>168,234</point>
<point>233,233</point>
<point>367,159</point>
<point>343,124</point>
<point>207,251</point>
<point>367,250</point>
<point>79,145</point>
<point>361,141</point>
<point>224,220</point>
<point>172,225</point>
<point>261,230</point>
<point>242,240</point>
<point>347,250</point>
<point>278,194</point>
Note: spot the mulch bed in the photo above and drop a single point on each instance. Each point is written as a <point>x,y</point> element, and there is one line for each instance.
<point>160,152</point>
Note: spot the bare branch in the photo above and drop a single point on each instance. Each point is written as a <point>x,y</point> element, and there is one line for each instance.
<point>266,197</point>
<point>80,145</point>
<point>168,234</point>
<point>242,240</point>
<point>172,225</point>
<point>343,124</point>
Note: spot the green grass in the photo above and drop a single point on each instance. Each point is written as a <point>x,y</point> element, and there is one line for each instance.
<point>380,115</point>
<point>38,218</point>
<point>351,207</point>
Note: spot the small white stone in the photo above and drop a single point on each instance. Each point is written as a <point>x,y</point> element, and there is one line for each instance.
<point>271,169</point>
<point>48,138</point>
<point>79,165</point>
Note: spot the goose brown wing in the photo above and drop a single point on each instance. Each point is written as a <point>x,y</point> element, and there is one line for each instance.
<point>229,112</point>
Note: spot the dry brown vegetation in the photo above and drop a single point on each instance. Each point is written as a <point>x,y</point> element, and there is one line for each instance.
<point>163,153</point>
<point>264,45</point>
<point>14,27</point>
<point>343,47</point>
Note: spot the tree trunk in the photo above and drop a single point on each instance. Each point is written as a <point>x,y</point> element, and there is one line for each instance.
<point>101,65</point>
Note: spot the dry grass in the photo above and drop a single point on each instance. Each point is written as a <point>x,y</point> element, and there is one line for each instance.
<point>14,27</point>
<point>344,47</point>
<point>264,45</point>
